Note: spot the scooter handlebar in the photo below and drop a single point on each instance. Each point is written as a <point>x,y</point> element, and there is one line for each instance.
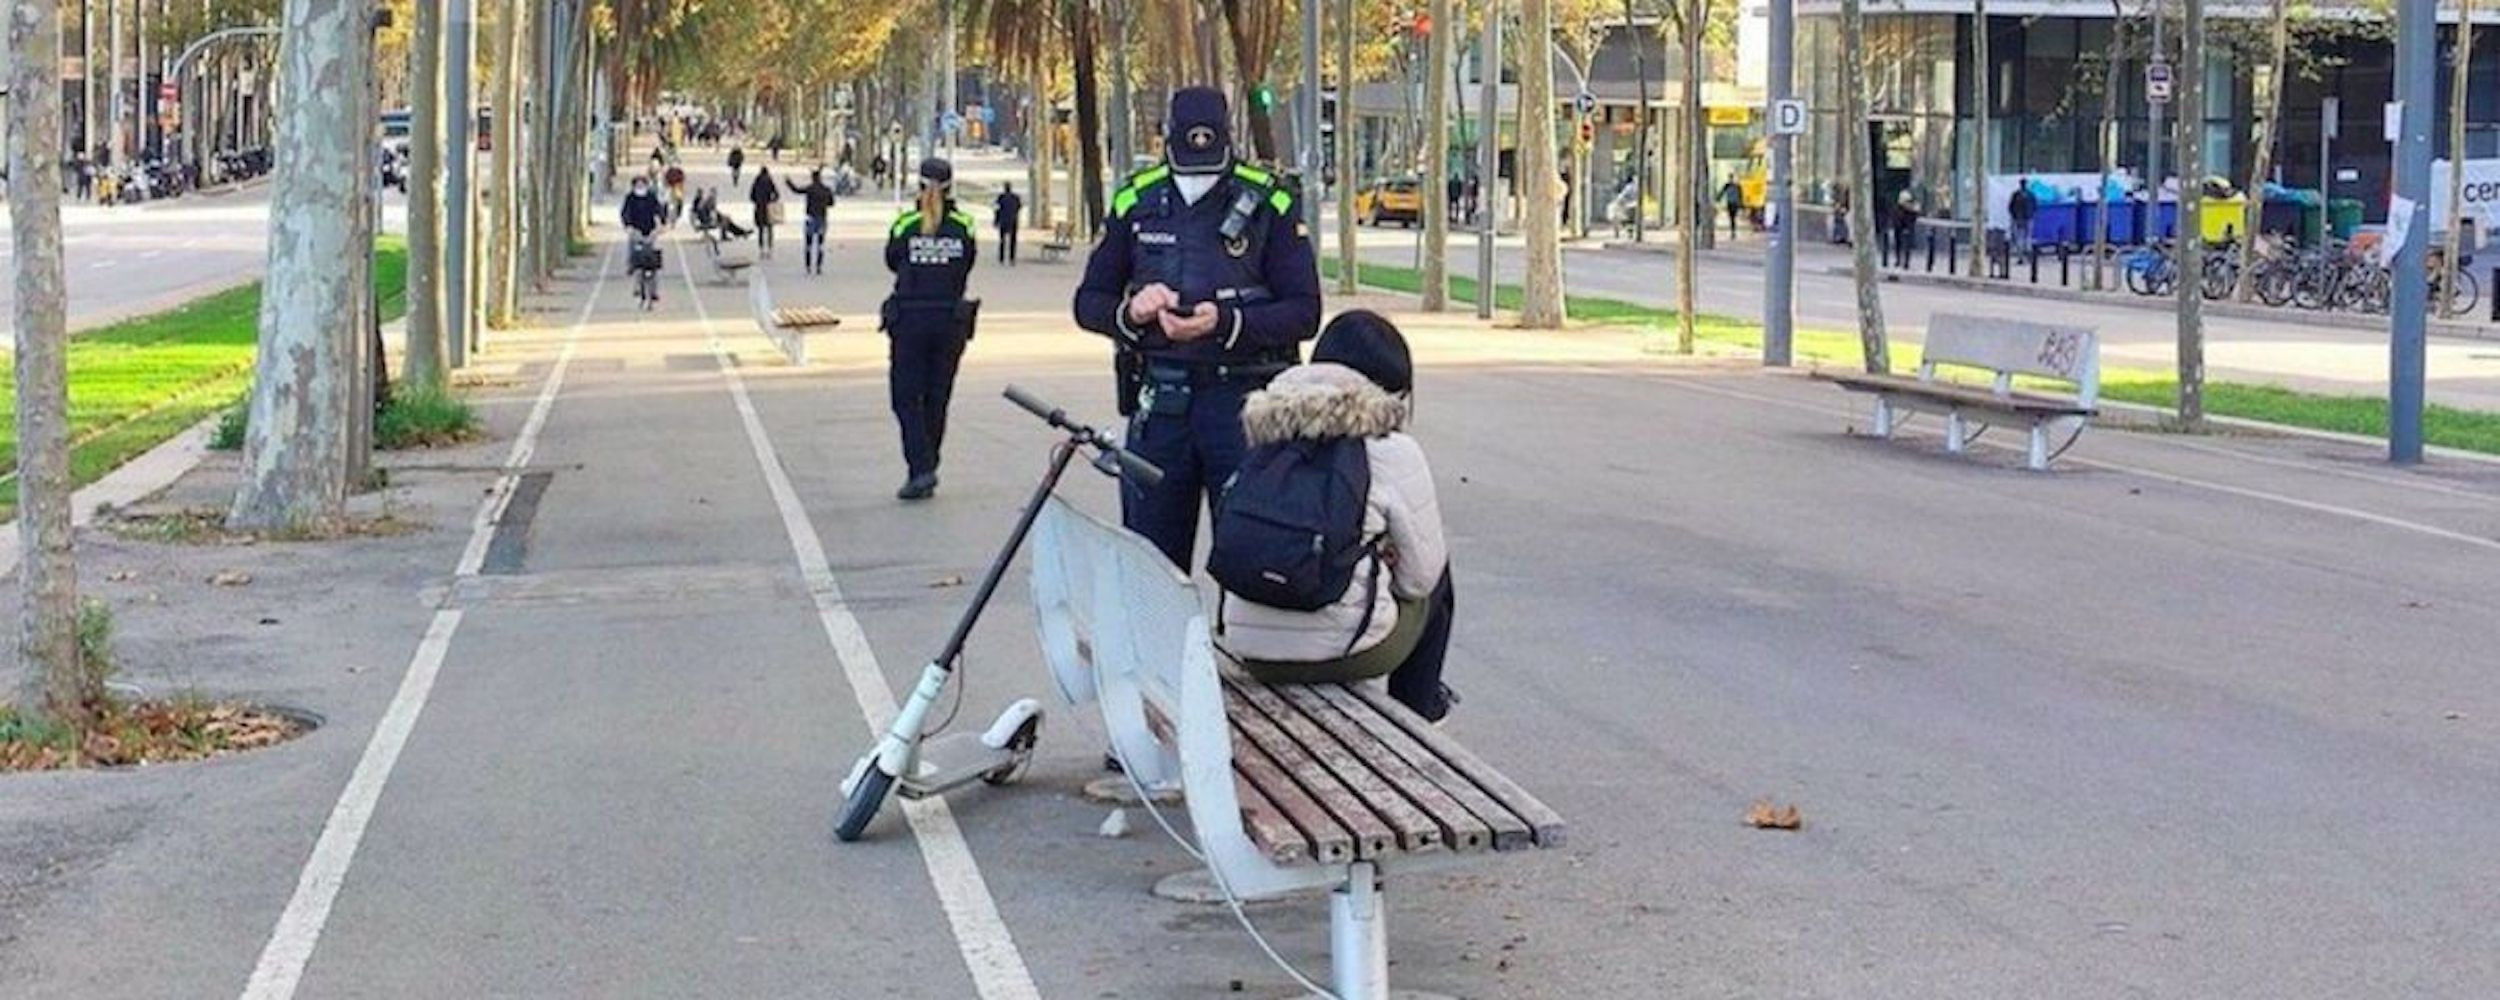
<point>1123,461</point>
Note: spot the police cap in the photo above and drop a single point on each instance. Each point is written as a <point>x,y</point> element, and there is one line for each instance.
<point>1199,138</point>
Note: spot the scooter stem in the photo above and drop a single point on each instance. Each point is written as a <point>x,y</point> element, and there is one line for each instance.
<point>1059,458</point>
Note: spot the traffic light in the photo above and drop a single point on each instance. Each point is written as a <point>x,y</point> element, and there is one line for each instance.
<point>1423,24</point>
<point>1263,97</point>
<point>1588,132</point>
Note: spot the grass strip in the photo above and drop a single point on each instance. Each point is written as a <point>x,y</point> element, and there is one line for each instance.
<point>135,383</point>
<point>2445,426</point>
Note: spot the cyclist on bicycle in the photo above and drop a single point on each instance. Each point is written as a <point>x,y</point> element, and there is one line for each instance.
<point>643,214</point>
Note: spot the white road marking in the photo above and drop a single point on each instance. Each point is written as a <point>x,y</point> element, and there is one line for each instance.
<point>989,951</point>
<point>291,942</point>
<point>2312,506</point>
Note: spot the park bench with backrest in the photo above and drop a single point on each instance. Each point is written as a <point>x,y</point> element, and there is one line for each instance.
<point>1062,239</point>
<point>2006,349</point>
<point>786,327</point>
<point>727,265</point>
<point>1288,787</point>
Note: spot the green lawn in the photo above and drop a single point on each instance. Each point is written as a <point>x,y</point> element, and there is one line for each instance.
<point>138,382</point>
<point>2467,430</point>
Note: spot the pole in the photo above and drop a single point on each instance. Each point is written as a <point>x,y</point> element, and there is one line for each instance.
<point>1123,122</point>
<point>1306,145</point>
<point>459,147</point>
<point>1981,99</point>
<point>1779,290</point>
<point>2417,25</point>
<point>1488,179</point>
<point>119,149</point>
<point>1640,141</point>
<point>2152,137</point>
<point>952,102</point>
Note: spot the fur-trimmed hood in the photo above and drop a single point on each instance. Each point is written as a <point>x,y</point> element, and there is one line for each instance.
<point>1319,401</point>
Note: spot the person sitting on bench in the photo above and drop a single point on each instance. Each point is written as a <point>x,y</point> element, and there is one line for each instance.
<point>1393,615</point>
<point>707,215</point>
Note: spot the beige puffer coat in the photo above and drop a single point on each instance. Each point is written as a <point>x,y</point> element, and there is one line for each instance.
<point>1317,401</point>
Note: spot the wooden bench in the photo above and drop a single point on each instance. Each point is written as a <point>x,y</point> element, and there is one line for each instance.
<point>2005,348</point>
<point>1288,787</point>
<point>1062,239</point>
<point>787,328</point>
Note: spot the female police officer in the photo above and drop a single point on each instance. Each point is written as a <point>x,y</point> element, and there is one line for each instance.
<point>926,320</point>
<point>1206,283</point>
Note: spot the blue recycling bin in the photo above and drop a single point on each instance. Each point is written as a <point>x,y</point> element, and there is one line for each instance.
<point>2058,224</point>
<point>2166,224</point>
<point>2122,223</point>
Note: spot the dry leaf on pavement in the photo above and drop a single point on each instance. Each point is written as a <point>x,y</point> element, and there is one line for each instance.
<point>231,578</point>
<point>1766,816</point>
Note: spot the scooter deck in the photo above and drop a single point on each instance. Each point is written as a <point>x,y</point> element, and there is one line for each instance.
<point>949,762</point>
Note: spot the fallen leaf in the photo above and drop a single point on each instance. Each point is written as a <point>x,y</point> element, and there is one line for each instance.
<point>268,621</point>
<point>120,576</point>
<point>946,581</point>
<point>231,578</point>
<point>2454,716</point>
<point>1766,816</point>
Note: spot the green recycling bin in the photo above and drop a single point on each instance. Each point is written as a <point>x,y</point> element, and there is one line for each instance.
<point>2343,215</point>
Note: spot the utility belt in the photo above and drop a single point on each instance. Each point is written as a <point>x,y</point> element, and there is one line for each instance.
<point>1168,388</point>
<point>966,313</point>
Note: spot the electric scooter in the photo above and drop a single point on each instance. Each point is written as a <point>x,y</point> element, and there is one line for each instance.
<point>908,761</point>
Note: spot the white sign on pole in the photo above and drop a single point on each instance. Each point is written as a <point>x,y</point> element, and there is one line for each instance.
<point>1788,117</point>
<point>1586,103</point>
<point>2331,111</point>
<point>2157,83</point>
<point>2395,112</point>
<point>2400,211</point>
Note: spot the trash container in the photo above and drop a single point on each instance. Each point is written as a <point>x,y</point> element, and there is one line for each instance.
<point>2059,224</point>
<point>2220,220</point>
<point>2343,215</point>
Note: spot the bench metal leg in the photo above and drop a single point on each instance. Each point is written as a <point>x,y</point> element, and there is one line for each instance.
<point>1884,420</point>
<point>2039,455</point>
<point>1956,434</point>
<point>1358,936</point>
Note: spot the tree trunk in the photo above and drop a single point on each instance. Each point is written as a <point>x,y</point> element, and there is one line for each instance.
<point>295,452</point>
<point>1252,67</point>
<point>1541,308</point>
<point>1436,173</point>
<point>503,252</point>
<point>2191,242</point>
<point>2449,266</point>
<point>55,685</point>
<point>1088,119</point>
<point>2263,160</point>
<point>1872,339</point>
<point>1349,277</point>
<point>1699,217</point>
<point>426,346</point>
<point>1980,104</point>
<point>2108,140</point>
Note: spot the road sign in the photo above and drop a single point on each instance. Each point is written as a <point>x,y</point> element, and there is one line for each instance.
<point>2331,111</point>
<point>1586,103</point>
<point>1788,117</point>
<point>2157,83</point>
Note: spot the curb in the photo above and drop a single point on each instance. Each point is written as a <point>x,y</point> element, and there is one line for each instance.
<point>134,481</point>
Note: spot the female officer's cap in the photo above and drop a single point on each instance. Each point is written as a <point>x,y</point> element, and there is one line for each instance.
<point>937,171</point>
<point>1198,139</point>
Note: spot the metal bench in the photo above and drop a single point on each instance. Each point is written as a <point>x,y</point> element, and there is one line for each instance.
<point>1062,239</point>
<point>1288,787</point>
<point>726,266</point>
<point>2005,348</point>
<point>786,328</point>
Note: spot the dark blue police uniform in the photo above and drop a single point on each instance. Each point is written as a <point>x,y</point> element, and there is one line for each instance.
<point>1240,246</point>
<point>927,324</point>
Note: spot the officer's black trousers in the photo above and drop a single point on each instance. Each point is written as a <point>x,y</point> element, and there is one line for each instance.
<point>1197,451</point>
<point>923,350</point>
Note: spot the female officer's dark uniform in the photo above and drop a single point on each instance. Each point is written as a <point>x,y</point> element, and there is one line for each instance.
<point>927,320</point>
<point>1240,246</point>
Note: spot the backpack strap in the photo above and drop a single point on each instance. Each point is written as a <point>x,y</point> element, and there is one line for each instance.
<point>1371,597</point>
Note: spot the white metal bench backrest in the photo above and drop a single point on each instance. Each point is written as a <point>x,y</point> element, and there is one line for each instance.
<point>2010,347</point>
<point>1120,626</point>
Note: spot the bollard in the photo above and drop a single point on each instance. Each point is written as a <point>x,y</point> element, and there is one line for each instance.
<point>1931,253</point>
<point>2063,275</point>
<point>2035,265</point>
<point>1952,254</point>
<point>2494,289</point>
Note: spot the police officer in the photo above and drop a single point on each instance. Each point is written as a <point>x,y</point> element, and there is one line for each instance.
<point>1206,283</point>
<point>927,321</point>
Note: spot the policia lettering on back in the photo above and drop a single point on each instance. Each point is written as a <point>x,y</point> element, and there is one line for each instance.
<point>1206,284</point>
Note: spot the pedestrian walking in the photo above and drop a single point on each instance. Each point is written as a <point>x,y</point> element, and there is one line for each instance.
<point>1904,226</point>
<point>1345,412</point>
<point>737,163</point>
<point>819,201</point>
<point>1732,201</point>
<point>2021,208</point>
<point>1010,215</point>
<point>927,321</point>
<point>1206,284</point>
<point>775,146</point>
<point>766,196</point>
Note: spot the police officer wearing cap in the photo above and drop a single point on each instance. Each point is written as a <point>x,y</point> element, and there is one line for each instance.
<point>1207,285</point>
<point>927,321</point>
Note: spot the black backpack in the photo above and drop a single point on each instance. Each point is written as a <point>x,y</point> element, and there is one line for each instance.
<point>1289,530</point>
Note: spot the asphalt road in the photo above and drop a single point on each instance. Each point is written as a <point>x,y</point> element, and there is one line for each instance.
<point>131,260</point>
<point>2188,718</point>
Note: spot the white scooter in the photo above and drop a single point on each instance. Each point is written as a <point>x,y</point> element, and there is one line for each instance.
<point>923,766</point>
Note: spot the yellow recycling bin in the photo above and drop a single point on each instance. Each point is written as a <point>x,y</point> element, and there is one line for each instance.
<point>2221,219</point>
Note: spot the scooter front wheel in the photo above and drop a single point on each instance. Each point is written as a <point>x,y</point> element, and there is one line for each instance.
<point>867,796</point>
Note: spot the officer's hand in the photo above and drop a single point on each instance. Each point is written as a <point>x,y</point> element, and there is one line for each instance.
<point>1149,302</point>
<point>1198,323</point>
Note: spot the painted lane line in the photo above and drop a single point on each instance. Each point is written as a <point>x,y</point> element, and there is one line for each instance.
<point>2312,506</point>
<point>290,948</point>
<point>989,950</point>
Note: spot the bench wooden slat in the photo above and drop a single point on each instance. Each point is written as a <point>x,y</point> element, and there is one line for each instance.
<point>1976,397</point>
<point>801,317</point>
<point>1372,836</point>
<point>1267,825</point>
<point>1328,840</point>
<point>1544,825</point>
<point>1460,829</point>
<point>1499,828</point>
<point>1415,830</point>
